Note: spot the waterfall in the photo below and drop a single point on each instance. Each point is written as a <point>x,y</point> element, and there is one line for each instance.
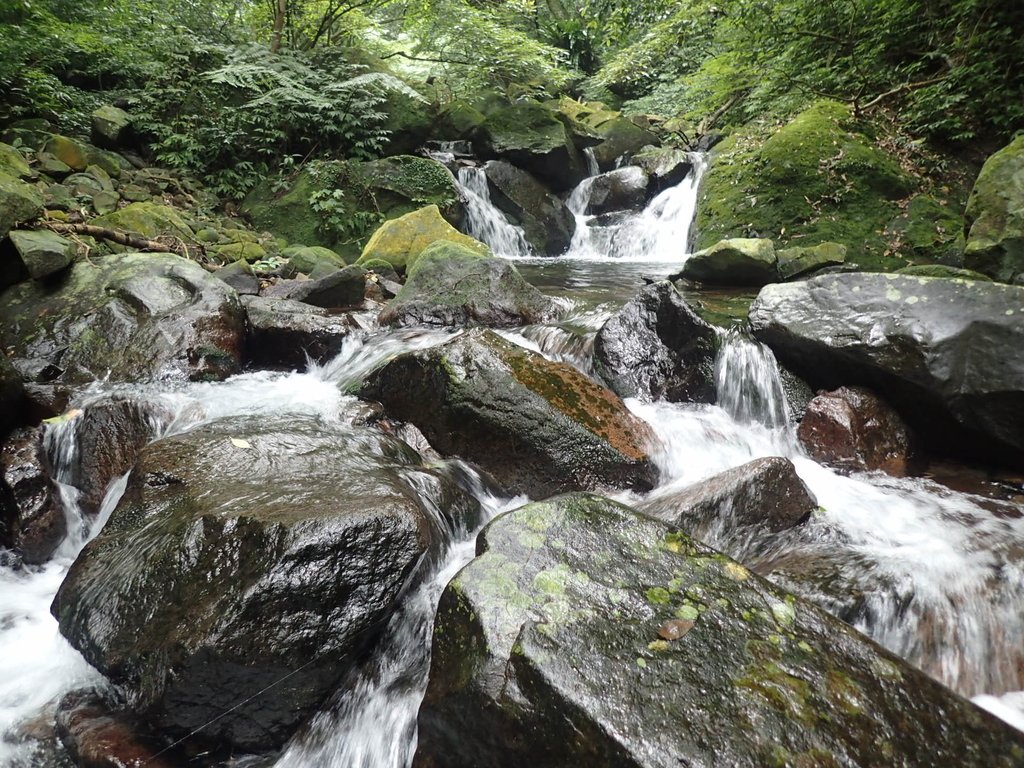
<point>748,383</point>
<point>661,232</point>
<point>483,219</point>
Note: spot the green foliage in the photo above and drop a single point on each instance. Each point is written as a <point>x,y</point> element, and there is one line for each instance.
<point>345,217</point>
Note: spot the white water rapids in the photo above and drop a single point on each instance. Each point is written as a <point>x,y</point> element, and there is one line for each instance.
<point>935,575</point>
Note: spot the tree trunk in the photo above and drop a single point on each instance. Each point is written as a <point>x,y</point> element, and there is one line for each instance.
<point>280,14</point>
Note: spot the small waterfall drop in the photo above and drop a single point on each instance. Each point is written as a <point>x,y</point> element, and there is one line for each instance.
<point>483,219</point>
<point>748,382</point>
<point>661,232</point>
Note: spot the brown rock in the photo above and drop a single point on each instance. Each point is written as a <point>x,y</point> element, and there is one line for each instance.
<point>853,429</point>
<point>765,492</point>
<point>97,737</point>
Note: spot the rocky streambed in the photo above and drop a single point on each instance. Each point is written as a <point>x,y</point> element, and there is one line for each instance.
<point>644,540</point>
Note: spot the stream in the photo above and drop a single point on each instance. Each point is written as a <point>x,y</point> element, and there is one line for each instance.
<point>933,574</point>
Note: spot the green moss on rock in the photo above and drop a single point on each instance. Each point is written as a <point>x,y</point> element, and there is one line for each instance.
<point>18,202</point>
<point>995,216</point>
<point>401,241</point>
<point>147,219</point>
<point>815,179</point>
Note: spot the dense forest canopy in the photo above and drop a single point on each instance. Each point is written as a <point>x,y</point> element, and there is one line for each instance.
<point>234,89</point>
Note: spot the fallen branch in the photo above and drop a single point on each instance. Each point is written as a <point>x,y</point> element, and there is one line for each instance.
<point>898,89</point>
<point>121,237</point>
<point>709,122</point>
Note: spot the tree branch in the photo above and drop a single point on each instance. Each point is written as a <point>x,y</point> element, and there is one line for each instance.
<point>118,236</point>
<point>900,88</point>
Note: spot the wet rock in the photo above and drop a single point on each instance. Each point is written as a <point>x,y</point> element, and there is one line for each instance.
<point>401,241</point>
<point>109,435</point>
<point>31,518</point>
<point>656,347</point>
<point>341,288</point>
<point>13,403</point>
<point>665,166</point>
<point>284,333</point>
<point>945,353</point>
<point>621,138</point>
<point>550,649</point>
<point>995,216</point>
<point>739,261</point>
<point>451,285</point>
<point>247,553</point>
<point>853,429</point>
<point>546,222</point>
<point>798,262</point>
<point>765,492</point>
<point>13,163</point>
<point>239,276</point>
<point>129,317</point>
<point>532,137</point>
<point>19,202</point>
<point>539,427</point>
<point>941,270</point>
<point>619,190</point>
<point>43,252</point>
<point>97,737</point>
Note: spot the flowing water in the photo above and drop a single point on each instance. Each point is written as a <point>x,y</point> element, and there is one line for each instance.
<point>935,575</point>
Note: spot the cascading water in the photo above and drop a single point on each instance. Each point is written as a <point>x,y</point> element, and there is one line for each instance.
<point>660,233</point>
<point>483,219</point>
<point>748,383</point>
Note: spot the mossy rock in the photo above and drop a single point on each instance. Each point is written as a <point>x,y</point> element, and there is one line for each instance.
<point>13,163</point>
<point>111,126</point>
<point>19,202</point>
<point>995,215</point>
<point>402,184</point>
<point>401,241</point>
<point>452,285</point>
<point>620,137</point>
<point>459,121</point>
<point>802,260</point>
<point>586,633</point>
<point>928,232</point>
<point>73,154</point>
<point>307,258</point>
<point>288,214</point>
<point>380,266</point>
<point>42,252</point>
<point>737,261</point>
<point>147,219</point>
<point>409,121</point>
<point>249,252</point>
<point>52,165</point>
<point>813,180</point>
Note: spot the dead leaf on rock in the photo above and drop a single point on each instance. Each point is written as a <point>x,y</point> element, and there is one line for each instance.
<point>240,443</point>
<point>673,629</point>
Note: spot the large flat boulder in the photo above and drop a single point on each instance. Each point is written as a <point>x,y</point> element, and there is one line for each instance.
<point>131,317</point>
<point>287,333</point>
<point>588,634</point>
<point>736,261</point>
<point>656,347</point>
<point>995,216</point>
<point>946,353</point>
<point>538,426</point>
<point>249,553</point>
<point>546,222</point>
<point>451,285</point>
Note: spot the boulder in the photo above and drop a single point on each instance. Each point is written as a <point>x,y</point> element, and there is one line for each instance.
<point>800,261</point>
<point>306,259</point>
<point>19,202</point>
<point>665,166</point>
<point>149,220</point>
<point>111,127</point>
<point>285,333</point>
<point>814,179</point>
<point>96,735</point>
<point>929,231</point>
<point>401,241</point>
<point>239,277</point>
<point>72,153</point>
<point>945,353</point>
<point>546,222</point>
<point>13,163</point>
<point>739,261</point>
<point>42,252</point>
<point>538,426</point>
<point>404,183</point>
<point>531,136</point>
<point>995,216</point>
<point>31,517</point>
<point>130,317</point>
<point>623,189</point>
<point>853,429</point>
<point>109,434</point>
<point>588,634</point>
<point>251,553</point>
<point>451,285</point>
<point>766,493</point>
<point>622,138</point>
<point>232,252</point>
<point>941,270</point>
<point>341,288</point>
<point>656,347</point>
<point>51,165</point>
